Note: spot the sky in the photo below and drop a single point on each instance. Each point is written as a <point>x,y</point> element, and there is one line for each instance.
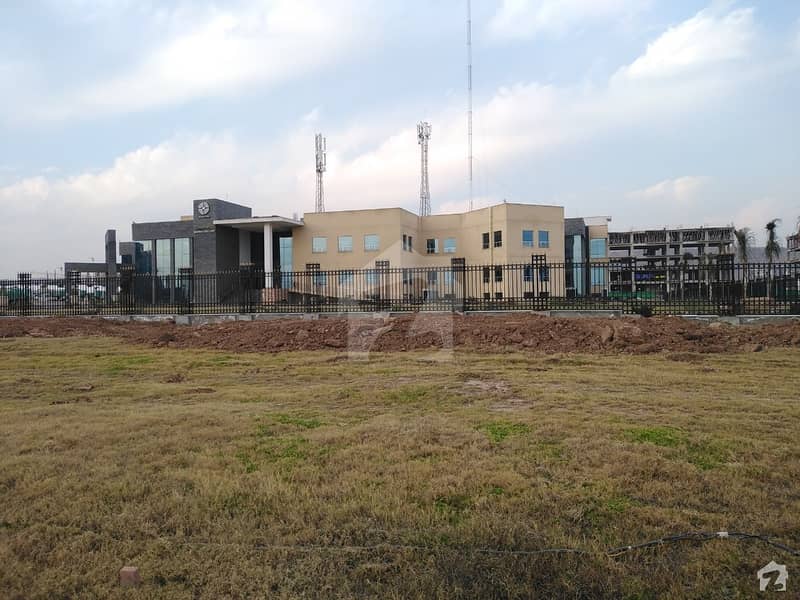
<point>657,113</point>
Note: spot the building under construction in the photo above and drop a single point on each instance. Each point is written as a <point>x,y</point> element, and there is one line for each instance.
<point>669,263</point>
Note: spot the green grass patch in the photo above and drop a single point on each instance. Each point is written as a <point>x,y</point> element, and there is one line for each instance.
<point>305,423</point>
<point>667,437</point>
<point>120,364</point>
<point>497,431</point>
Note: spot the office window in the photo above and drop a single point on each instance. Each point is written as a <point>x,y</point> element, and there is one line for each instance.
<point>163,257</point>
<point>317,278</point>
<point>486,240</point>
<point>183,254</point>
<point>450,245</point>
<point>486,275</point>
<point>527,238</point>
<point>144,256</point>
<point>498,239</point>
<point>381,264</point>
<point>405,242</point>
<point>410,244</point>
<point>346,278</point>
<point>448,277</point>
<point>407,276</point>
<point>527,274</point>
<point>319,245</point>
<point>498,275</point>
<point>498,295</point>
<point>597,248</point>
<point>598,276</point>
<point>544,239</point>
<point>372,242</point>
<point>544,274</point>
<point>371,277</point>
<point>432,246</point>
<point>345,243</point>
<point>433,277</point>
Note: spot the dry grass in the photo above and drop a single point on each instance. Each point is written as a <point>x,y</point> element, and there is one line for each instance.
<point>244,475</point>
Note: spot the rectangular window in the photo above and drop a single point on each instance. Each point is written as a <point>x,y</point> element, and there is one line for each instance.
<point>405,242</point>
<point>498,275</point>
<point>498,295</point>
<point>486,275</point>
<point>544,274</point>
<point>317,278</point>
<point>527,238</point>
<point>410,244</point>
<point>346,278</point>
<point>498,239</point>
<point>432,246</point>
<point>485,240</point>
<point>144,256</point>
<point>183,254</point>
<point>450,245</point>
<point>407,276</point>
<point>372,242</point>
<point>448,277</point>
<point>527,274</point>
<point>163,257</point>
<point>544,239</point>
<point>371,277</point>
<point>345,243</point>
<point>433,277</point>
<point>597,248</point>
<point>319,245</point>
<point>598,276</point>
<point>382,264</point>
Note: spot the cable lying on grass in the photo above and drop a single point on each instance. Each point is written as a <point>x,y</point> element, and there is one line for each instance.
<point>697,537</point>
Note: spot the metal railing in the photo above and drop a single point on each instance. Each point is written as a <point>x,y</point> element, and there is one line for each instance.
<point>715,289</point>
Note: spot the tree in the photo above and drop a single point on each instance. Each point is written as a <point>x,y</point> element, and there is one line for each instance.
<point>772,249</point>
<point>745,239</point>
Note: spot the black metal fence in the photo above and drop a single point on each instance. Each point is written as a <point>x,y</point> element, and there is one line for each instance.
<point>688,289</point>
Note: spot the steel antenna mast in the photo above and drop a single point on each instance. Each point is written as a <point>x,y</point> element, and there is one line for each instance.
<point>321,145</point>
<point>423,137</point>
<point>469,95</point>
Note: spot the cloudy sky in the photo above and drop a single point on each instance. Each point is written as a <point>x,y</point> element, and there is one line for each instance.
<point>656,112</point>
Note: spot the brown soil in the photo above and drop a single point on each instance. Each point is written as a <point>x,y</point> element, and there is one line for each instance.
<point>412,332</point>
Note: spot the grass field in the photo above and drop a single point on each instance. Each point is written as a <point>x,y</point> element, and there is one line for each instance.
<point>403,476</point>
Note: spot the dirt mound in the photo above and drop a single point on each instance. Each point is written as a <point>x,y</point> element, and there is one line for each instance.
<point>424,331</point>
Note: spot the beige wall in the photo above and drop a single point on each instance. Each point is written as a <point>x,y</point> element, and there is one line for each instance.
<point>466,228</point>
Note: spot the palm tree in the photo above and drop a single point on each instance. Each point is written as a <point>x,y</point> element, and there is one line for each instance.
<point>745,239</point>
<point>772,249</point>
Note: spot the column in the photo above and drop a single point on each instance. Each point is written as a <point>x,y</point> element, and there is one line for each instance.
<point>268,267</point>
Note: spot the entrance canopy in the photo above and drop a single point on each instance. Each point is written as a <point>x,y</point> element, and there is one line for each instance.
<point>258,224</point>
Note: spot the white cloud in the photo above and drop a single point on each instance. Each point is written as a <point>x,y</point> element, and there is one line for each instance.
<point>222,51</point>
<point>706,39</point>
<point>519,19</point>
<point>682,190</point>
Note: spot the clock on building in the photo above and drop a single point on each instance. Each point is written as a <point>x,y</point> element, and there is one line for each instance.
<point>203,208</point>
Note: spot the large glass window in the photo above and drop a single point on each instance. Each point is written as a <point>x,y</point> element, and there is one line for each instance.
<point>405,242</point>
<point>597,248</point>
<point>345,243</point>
<point>485,240</point>
<point>319,245</point>
<point>450,245</point>
<point>432,246</point>
<point>544,274</point>
<point>433,277</point>
<point>372,242</point>
<point>527,238</point>
<point>144,256</point>
<point>544,239</point>
<point>183,254</point>
<point>598,276</point>
<point>286,250</point>
<point>498,275</point>
<point>498,239</point>
<point>164,257</point>
<point>527,274</point>
<point>371,277</point>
